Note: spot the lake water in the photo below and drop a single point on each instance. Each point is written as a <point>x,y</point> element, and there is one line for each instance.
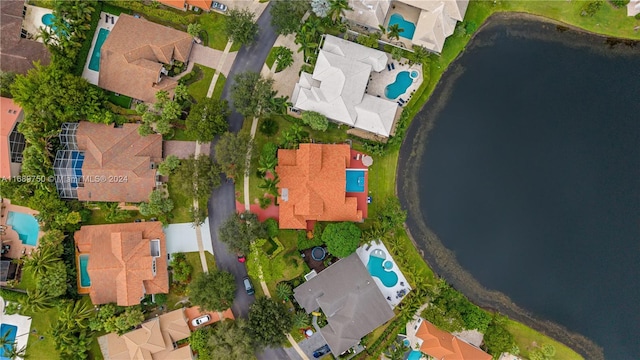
<point>531,176</point>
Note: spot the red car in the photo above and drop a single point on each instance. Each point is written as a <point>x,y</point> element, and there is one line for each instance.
<point>241,258</point>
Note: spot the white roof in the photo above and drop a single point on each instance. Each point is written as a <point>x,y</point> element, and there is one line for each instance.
<point>633,8</point>
<point>337,87</point>
<point>368,12</point>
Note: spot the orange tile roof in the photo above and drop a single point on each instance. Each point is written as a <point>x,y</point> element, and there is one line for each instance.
<point>10,114</point>
<point>314,181</point>
<point>181,4</point>
<point>131,64</point>
<point>443,345</point>
<point>122,157</point>
<point>178,4</point>
<point>120,261</point>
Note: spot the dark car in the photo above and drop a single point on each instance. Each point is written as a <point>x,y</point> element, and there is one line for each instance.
<point>248,286</point>
<point>321,351</point>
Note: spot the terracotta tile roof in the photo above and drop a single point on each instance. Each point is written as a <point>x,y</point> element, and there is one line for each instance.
<point>443,345</point>
<point>123,157</point>
<point>120,261</point>
<point>10,114</point>
<point>17,54</point>
<point>153,340</point>
<point>182,4</point>
<point>133,54</point>
<point>313,184</point>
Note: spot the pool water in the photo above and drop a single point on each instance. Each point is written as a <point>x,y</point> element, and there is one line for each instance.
<point>85,281</point>
<point>376,269</point>
<point>408,27</point>
<point>26,226</point>
<point>355,181</point>
<point>10,331</point>
<point>398,87</point>
<point>414,355</point>
<point>47,19</point>
<point>94,62</point>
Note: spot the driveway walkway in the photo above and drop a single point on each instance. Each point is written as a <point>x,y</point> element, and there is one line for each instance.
<point>211,58</point>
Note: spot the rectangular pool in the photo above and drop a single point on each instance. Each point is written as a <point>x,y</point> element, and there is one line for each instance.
<point>94,63</point>
<point>10,331</point>
<point>26,226</point>
<point>85,281</point>
<point>355,180</point>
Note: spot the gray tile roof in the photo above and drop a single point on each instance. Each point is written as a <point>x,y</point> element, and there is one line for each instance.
<point>350,299</point>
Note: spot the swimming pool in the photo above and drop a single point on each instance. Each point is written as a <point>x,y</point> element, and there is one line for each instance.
<point>376,267</point>
<point>11,331</point>
<point>398,87</point>
<point>26,226</point>
<point>355,180</point>
<point>408,27</point>
<point>47,19</point>
<point>414,355</point>
<point>94,62</point>
<point>85,281</point>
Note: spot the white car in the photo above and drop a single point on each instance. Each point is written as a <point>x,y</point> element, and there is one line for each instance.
<point>200,320</point>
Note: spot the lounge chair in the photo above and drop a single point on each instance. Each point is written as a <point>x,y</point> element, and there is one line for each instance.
<point>393,66</point>
<point>389,67</point>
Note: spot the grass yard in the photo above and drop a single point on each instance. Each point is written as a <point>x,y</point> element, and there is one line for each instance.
<point>199,88</point>
<point>525,337</point>
<point>42,322</point>
<point>98,217</point>
<point>213,23</point>
<point>271,58</point>
<point>217,90</point>
<point>121,100</point>
<point>27,280</point>
<point>181,204</point>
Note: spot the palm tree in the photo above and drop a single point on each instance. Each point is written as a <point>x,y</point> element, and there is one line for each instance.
<point>306,42</point>
<point>76,314</point>
<point>37,300</point>
<point>279,105</point>
<point>41,261</point>
<point>420,54</point>
<point>284,291</point>
<point>267,164</point>
<point>12,352</point>
<point>393,32</point>
<point>270,186</point>
<point>337,8</point>
<point>300,320</point>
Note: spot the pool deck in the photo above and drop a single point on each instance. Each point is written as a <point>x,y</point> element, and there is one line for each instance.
<point>32,22</point>
<point>379,81</point>
<point>356,163</point>
<point>23,323</point>
<point>390,293</point>
<point>10,237</point>
<point>90,75</point>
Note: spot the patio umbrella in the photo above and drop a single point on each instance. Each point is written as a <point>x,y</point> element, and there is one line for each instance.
<point>367,160</point>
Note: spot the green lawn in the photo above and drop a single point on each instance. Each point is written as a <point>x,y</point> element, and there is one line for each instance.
<point>199,88</point>
<point>181,204</point>
<point>213,23</point>
<point>120,100</point>
<point>271,58</point>
<point>217,90</point>
<point>27,280</point>
<point>42,322</point>
<point>526,337</point>
<point>98,217</point>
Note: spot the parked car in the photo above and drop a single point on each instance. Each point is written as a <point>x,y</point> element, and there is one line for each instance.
<point>201,320</point>
<point>321,351</point>
<point>219,6</point>
<point>248,286</point>
<point>241,258</point>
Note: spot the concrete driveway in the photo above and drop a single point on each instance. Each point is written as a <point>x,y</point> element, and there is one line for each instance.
<point>209,57</point>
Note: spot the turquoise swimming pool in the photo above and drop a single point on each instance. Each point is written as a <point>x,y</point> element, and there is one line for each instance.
<point>26,226</point>
<point>408,27</point>
<point>355,181</point>
<point>94,62</point>
<point>47,19</point>
<point>398,87</point>
<point>10,331</point>
<point>85,281</point>
<point>376,267</point>
<point>414,355</point>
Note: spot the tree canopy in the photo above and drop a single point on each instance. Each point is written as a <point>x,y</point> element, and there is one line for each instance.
<point>214,290</point>
<point>232,340</point>
<point>342,239</point>
<point>286,16</point>
<point>239,230</point>
<point>158,204</point>
<point>240,26</point>
<point>269,320</point>
<point>251,94</point>
<point>207,119</point>
<point>197,177</point>
<point>497,339</point>
<point>231,153</point>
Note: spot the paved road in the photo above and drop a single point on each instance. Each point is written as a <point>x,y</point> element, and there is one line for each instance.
<point>222,201</point>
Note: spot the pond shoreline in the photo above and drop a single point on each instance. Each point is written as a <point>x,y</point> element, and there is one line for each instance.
<point>443,260</point>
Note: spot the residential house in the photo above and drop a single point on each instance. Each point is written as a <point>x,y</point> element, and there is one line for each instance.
<point>134,56</point>
<point>106,162</point>
<point>440,344</point>
<point>312,186</point>
<point>123,262</point>
<point>633,8</point>
<point>154,340</point>
<point>17,50</point>
<point>188,4</point>
<point>349,298</point>
<point>11,141</point>
<point>425,23</point>
<point>337,87</point>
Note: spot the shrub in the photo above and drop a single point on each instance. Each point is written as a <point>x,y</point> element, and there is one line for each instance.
<point>591,8</point>
<point>268,127</point>
<point>161,299</point>
<point>315,120</point>
<point>265,201</point>
<point>272,227</point>
<point>304,243</point>
<point>619,3</point>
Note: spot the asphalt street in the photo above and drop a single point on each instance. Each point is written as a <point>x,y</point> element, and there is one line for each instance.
<point>222,201</point>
